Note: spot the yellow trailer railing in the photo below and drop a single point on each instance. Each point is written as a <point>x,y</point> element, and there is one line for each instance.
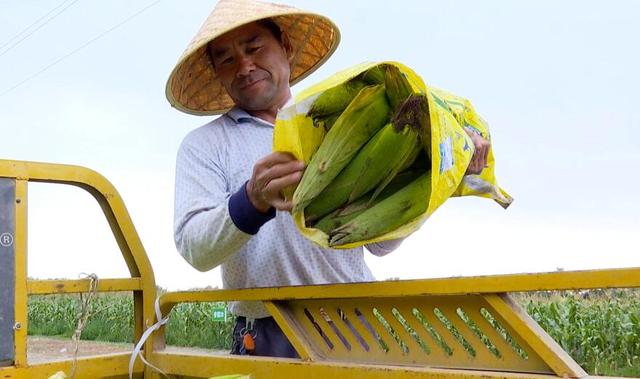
<point>465,327</point>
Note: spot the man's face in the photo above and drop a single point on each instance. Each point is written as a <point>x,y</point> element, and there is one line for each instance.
<point>253,67</point>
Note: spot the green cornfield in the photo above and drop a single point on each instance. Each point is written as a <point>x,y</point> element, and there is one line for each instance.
<point>601,333</point>
<point>599,329</point>
<point>111,320</point>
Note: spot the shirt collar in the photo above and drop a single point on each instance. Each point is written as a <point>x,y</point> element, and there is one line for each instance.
<point>240,116</point>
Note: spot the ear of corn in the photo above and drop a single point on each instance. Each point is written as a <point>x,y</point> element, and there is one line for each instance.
<point>392,149</point>
<point>398,88</point>
<point>388,214</point>
<point>350,211</point>
<point>350,187</point>
<point>374,75</point>
<point>412,115</point>
<point>364,116</point>
<point>377,162</point>
<point>336,99</point>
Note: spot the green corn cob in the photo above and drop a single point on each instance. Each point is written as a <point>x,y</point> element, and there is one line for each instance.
<point>374,75</point>
<point>366,114</point>
<point>347,213</point>
<point>380,159</point>
<point>413,114</point>
<point>335,99</point>
<point>387,215</point>
<point>398,88</point>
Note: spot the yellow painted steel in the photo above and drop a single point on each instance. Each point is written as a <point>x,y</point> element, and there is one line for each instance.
<point>288,325</point>
<point>20,244</point>
<point>398,329</point>
<point>566,280</point>
<point>111,366</point>
<point>393,331</point>
<point>45,287</point>
<point>204,366</point>
<point>529,332</point>
<point>142,282</point>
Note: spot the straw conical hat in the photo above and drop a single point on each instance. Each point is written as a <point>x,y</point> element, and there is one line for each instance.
<point>193,86</point>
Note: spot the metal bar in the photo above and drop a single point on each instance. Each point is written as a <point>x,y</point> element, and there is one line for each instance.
<point>553,355</point>
<point>205,366</point>
<point>7,270</point>
<point>21,274</point>
<point>103,366</point>
<point>46,287</point>
<point>566,280</point>
<point>294,334</point>
<point>117,216</point>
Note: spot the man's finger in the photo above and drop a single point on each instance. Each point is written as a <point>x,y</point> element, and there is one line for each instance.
<point>272,159</point>
<point>279,157</point>
<point>278,184</point>
<point>264,176</point>
<point>282,205</point>
<point>283,169</point>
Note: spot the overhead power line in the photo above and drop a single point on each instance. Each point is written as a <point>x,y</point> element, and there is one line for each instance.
<point>36,29</point>
<point>79,48</point>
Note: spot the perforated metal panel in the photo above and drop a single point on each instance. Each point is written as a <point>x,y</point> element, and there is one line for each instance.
<point>436,331</point>
<point>7,269</point>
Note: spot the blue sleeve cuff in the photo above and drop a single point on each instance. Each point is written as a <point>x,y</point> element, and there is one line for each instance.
<point>244,215</point>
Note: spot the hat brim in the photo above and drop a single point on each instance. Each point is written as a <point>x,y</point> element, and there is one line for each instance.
<point>193,86</point>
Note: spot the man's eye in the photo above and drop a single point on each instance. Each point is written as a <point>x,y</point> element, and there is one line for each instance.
<point>226,61</point>
<point>254,49</point>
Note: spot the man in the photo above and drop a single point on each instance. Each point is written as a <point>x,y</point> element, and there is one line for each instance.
<point>229,208</point>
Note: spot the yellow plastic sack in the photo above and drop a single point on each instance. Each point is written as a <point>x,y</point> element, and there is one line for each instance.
<point>450,148</point>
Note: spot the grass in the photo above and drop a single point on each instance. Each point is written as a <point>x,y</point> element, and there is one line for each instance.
<point>601,332</point>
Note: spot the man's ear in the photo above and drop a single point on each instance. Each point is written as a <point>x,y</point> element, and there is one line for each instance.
<point>286,44</point>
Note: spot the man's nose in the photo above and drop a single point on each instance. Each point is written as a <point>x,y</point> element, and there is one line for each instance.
<point>245,66</point>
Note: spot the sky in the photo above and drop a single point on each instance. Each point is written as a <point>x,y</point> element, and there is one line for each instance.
<point>556,81</point>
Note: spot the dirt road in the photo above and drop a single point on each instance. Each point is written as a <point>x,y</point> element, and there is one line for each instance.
<point>44,349</point>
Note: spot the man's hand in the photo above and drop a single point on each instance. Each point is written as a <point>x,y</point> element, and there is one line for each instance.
<point>271,175</point>
<point>481,151</point>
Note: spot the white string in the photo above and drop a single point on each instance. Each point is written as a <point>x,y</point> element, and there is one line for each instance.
<point>137,350</point>
<point>83,317</point>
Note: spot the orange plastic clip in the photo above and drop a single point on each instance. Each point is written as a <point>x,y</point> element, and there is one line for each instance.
<point>248,342</point>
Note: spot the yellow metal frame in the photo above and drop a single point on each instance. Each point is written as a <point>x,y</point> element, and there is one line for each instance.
<point>490,291</point>
<point>308,314</point>
<point>141,283</point>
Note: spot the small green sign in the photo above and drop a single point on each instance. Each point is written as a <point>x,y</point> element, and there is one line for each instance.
<point>220,313</point>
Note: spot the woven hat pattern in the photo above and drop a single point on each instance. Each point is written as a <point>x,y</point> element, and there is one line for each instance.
<point>193,86</point>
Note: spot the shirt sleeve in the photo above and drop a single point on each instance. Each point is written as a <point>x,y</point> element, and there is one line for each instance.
<point>210,223</point>
<point>385,247</point>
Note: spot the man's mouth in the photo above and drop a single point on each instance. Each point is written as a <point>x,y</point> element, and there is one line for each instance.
<point>250,84</point>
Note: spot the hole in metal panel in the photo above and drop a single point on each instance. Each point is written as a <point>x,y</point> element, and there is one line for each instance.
<point>392,332</point>
<point>434,333</point>
<point>335,329</point>
<point>318,329</point>
<point>396,313</point>
<point>343,317</point>
<point>454,331</point>
<point>504,333</point>
<point>478,332</point>
<point>383,345</point>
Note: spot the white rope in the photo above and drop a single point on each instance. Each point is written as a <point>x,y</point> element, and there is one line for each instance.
<point>137,350</point>
<point>83,317</point>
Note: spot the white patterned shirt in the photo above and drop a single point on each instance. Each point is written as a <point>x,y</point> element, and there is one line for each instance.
<point>215,224</point>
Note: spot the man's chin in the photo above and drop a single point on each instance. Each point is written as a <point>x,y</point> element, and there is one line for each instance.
<point>256,102</point>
